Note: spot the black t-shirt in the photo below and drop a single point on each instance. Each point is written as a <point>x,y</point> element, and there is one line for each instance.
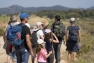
<point>25,31</point>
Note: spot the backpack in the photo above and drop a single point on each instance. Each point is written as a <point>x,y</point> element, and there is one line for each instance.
<point>14,34</point>
<point>58,29</point>
<point>34,39</point>
<point>73,34</point>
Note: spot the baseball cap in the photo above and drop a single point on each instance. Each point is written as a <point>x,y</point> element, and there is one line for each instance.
<point>27,25</point>
<point>23,15</point>
<point>48,31</point>
<point>72,19</point>
<point>39,23</point>
<point>40,41</point>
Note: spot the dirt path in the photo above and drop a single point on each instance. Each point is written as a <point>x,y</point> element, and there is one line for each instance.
<point>3,54</point>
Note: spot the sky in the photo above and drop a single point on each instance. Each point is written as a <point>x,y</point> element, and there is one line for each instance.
<point>47,3</point>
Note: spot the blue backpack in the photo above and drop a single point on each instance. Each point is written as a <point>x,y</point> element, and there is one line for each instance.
<point>14,34</point>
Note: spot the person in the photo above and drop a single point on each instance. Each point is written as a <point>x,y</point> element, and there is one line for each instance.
<point>7,46</point>
<point>28,25</point>
<point>49,39</point>
<point>58,28</point>
<point>42,54</point>
<point>72,39</point>
<point>23,51</point>
<point>40,33</point>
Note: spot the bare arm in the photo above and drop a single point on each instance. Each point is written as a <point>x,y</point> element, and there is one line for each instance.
<point>56,39</point>
<point>79,36</point>
<point>29,44</point>
<point>67,34</point>
<point>50,52</point>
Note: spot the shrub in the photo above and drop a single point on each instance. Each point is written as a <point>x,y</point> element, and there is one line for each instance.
<point>1,31</point>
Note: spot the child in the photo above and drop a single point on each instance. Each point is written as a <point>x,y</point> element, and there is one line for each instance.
<point>41,52</point>
<point>49,39</point>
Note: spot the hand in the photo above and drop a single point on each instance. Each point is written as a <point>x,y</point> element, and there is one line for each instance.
<point>50,52</point>
<point>79,44</point>
<point>31,52</point>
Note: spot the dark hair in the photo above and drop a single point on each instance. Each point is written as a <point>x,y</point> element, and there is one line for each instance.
<point>57,18</point>
<point>21,19</point>
<point>72,22</point>
<point>48,35</point>
<point>38,49</point>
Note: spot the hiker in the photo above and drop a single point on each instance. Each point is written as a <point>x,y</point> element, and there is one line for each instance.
<point>24,49</point>
<point>49,39</point>
<point>10,50</point>
<point>58,28</point>
<point>40,33</point>
<point>28,25</point>
<point>72,39</point>
<point>42,54</point>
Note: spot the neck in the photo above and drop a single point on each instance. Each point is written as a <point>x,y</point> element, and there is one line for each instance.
<point>72,25</point>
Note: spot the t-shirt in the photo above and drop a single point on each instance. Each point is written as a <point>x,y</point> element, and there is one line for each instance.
<point>41,56</point>
<point>39,34</point>
<point>48,44</point>
<point>25,31</point>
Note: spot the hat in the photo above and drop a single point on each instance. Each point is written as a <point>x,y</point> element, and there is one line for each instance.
<point>34,28</point>
<point>48,31</point>
<point>23,15</point>
<point>39,23</point>
<point>13,18</point>
<point>72,19</point>
<point>27,25</point>
<point>40,41</point>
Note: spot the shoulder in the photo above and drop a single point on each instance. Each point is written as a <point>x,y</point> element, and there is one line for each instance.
<point>39,31</point>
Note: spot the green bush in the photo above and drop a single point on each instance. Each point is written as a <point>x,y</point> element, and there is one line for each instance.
<point>1,31</point>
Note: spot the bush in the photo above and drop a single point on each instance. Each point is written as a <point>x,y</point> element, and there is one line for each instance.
<point>1,31</point>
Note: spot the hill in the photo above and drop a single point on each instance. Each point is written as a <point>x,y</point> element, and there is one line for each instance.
<point>17,9</point>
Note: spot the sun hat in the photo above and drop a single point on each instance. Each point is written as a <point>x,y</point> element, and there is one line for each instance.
<point>39,23</point>
<point>23,15</point>
<point>40,41</point>
<point>48,31</point>
<point>72,19</point>
<point>28,25</point>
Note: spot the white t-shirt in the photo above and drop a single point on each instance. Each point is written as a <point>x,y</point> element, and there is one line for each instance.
<point>39,34</point>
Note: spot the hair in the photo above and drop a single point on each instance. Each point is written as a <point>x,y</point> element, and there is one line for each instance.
<point>38,49</point>
<point>21,20</point>
<point>57,18</point>
<point>72,22</point>
<point>48,35</point>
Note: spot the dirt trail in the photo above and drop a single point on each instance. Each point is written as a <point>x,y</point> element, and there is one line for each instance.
<point>3,54</point>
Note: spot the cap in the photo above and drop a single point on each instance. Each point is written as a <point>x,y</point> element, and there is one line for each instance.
<point>72,19</point>
<point>40,41</point>
<point>48,31</point>
<point>23,15</point>
<point>13,18</point>
<point>27,25</point>
<point>39,23</point>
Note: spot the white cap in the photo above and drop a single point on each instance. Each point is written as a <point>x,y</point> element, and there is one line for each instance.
<point>39,23</point>
<point>27,25</point>
<point>72,19</point>
<point>48,31</point>
<point>40,41</point>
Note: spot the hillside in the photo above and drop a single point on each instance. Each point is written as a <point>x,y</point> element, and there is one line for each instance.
<point>17,9</point>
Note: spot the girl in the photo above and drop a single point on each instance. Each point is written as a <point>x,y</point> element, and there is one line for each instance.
<point>72,39</point>
<point>49,39</point>
<point>41,52</point>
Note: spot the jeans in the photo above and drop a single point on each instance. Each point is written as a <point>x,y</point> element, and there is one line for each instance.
<point>22,55</point>
<point>57,47</point>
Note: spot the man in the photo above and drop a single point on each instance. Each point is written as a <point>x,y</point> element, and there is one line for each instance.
<point>22,51</point>
<point>59,30</point>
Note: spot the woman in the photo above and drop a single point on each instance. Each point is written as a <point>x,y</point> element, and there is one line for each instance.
<point>49,39</point>
<point>72,39</point>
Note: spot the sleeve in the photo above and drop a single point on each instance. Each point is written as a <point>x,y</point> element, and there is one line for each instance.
<point>68,28</point>
<point>41,33</point>
<point>43,51</point>
<point>27,31</point>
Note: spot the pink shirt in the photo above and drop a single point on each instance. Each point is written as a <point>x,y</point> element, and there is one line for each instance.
<point>41,56</point>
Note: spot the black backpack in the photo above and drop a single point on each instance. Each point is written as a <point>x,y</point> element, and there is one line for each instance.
<point>58,29</point>
<point>34,39</point>
<point>73,34</point>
